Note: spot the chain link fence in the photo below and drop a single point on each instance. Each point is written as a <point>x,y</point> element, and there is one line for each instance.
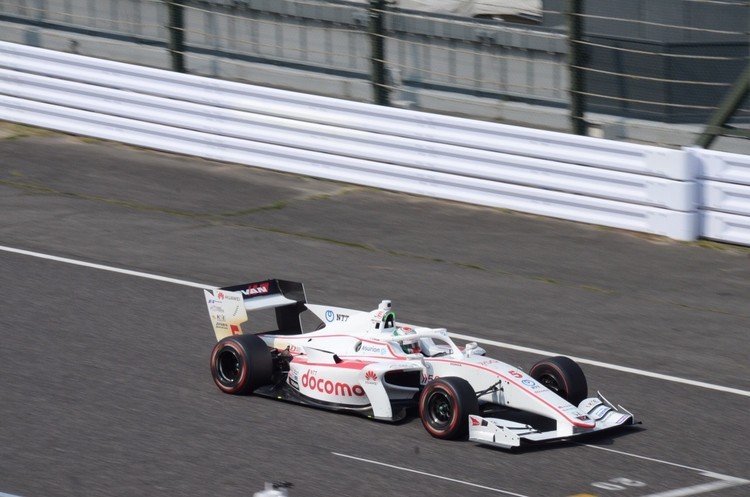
<point>628,69</point>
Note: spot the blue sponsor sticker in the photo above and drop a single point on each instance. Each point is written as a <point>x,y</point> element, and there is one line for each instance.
<point>528,382</point>
<point>330,315</point>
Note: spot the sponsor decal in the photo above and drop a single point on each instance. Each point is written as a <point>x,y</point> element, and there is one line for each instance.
<point>323,385</point>
<point>408,330</point>
<point>583,417</point>
<point>373,349</point>
<point>293,378</point>
<point>235,329</point>
<point>399,365</point>
<point>330,315</point>
<point>256,289</point>
<point>221,295</point>
<point>342,317</point>
<point>571,409</point>
<point>474,421</point>
<point>371,377</point>
<point>528,382</point>
<point>600,411</point>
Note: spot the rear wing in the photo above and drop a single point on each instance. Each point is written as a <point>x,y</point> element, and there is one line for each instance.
<point>228,306</point>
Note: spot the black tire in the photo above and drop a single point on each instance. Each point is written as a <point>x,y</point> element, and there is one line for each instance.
<point>563,376</point>
<point>445,405</point>
<point>240,364</point>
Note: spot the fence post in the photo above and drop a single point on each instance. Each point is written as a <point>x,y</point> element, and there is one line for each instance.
<point>576,61</point>
<point>378,72</point>
<point>717,124</point>
<point>176,29</point>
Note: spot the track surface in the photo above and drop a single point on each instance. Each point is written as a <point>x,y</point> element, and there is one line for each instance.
<point>104,378</point>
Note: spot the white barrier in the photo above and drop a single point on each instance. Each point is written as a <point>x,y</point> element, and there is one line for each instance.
<point>725,194</point>
<point>578,178</point>
<point>513,169</point>
<point>433,128</point>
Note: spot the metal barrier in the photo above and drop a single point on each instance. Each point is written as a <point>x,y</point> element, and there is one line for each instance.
<point>623,185</point>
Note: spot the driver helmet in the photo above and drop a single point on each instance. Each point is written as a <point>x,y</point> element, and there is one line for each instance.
<point>409,345</point>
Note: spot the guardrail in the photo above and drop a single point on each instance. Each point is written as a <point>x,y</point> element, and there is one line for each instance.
<point>623,185</point>
<point>725,194</point>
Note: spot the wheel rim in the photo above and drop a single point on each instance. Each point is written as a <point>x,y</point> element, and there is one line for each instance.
<point>228,366</point>
<point>439,410</point>
<point>550,382</point>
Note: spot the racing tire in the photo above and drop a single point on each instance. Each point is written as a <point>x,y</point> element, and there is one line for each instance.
<point>445,405</point>
<point>563,376</point>
<point>240,364</point>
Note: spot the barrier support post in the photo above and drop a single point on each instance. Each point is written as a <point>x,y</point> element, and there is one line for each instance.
<point>176,30</point>
<point>576,61</point>
<point>380,90</point>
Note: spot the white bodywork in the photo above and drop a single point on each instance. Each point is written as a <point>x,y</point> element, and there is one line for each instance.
<point>346,363</point>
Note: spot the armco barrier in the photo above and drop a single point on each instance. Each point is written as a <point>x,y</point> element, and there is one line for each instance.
<point>725,194</point>
<point>597,181</point>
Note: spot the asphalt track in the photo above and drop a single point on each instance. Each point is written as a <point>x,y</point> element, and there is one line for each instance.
<point>104,383</point>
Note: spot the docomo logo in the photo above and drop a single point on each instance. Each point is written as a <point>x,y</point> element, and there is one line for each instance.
<point>332,388</point>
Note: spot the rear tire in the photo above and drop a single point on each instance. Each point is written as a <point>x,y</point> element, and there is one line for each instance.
<point>240,364</point>
<point>563,376</point>
<point>445,405</point>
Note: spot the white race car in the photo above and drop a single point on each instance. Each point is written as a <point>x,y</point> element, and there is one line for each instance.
<point>367,363</point>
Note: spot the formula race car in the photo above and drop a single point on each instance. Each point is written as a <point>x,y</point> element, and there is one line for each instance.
<point>369,364</point>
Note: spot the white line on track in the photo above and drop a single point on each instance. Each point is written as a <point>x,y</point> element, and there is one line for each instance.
<point>105,268</point>
<point>454,480</point>
<point>2,494</point>
<point>591,362</point>
<point>629,454</point>
<point>722,483</point>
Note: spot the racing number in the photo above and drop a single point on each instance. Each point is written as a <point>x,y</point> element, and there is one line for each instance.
<point>618,483</point>
<point>515,374</point>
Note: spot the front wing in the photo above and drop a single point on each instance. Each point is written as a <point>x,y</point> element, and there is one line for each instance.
<point>510,434</point>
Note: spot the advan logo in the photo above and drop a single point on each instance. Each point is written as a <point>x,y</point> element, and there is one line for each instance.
<point>323,385</point>
<point>256,289</point>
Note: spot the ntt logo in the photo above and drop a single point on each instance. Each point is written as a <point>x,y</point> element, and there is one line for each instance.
<point>332,388</point>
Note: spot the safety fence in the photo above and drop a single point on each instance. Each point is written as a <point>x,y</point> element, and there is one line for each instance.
<point>629,186</point>
<point>648,71</point>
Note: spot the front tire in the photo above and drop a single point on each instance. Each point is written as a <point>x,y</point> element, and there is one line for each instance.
<point>240,364</point>
<point>563,376</point>
<point>445,405</point>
